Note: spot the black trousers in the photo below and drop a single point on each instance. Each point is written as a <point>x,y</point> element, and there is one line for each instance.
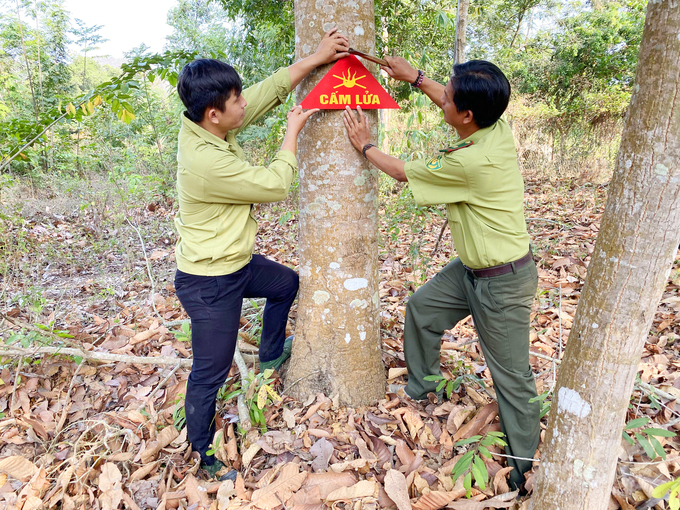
<point>214,306</point>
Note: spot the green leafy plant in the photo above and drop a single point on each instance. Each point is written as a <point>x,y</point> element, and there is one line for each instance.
<point>184,334</point>
<point>471,464</point>
<point>216,445</point>
<point>545,402</point>
<point>260,394</point>
<point>674,487</point>
<point>453,385</point>
<point>647,437</point>
<point>179,417</point>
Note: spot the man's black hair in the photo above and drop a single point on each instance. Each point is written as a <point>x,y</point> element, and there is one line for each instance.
<point>206,83</point>
<point>482,88</point>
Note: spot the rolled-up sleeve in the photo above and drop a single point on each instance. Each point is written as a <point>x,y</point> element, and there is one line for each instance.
<point>234,181</point>
<point>266,95</point>
<point>440,180</point>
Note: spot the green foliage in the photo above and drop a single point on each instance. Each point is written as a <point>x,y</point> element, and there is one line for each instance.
<point>453,385</point>
<point>184,334</point>
<point>258,395</point>
<point>471,464</point>
<point>647,437</point>
<point>673,488</point>
<point>179,417</point>
<point>545,402</point>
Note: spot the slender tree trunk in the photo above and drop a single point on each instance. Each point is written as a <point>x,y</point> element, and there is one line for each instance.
<point>461,26</point>
<point>28,68</point>
<point>337,334</point>
<point>638,240</point>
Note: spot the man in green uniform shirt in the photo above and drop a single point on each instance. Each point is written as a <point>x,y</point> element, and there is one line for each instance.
<point>494,277</point>
<point>216,187</point>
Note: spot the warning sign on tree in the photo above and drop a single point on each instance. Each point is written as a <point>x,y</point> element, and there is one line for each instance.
<point>348,83</point>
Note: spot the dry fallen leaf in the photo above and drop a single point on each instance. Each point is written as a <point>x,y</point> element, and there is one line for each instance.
<point>362,489</point>
<point>500,484</point>
<point>483,417</point>
<point>328,482</point>
<point>434,500</point>
<point>280,490</point>
<point>224,494</point>
<point>322,451</point>
<point>503,501</point>
<point>18,467</point>
<point>397,490</point>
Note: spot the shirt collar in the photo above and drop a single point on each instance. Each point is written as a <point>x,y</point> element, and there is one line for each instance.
<point>189,124</point>
<point>480,133</point>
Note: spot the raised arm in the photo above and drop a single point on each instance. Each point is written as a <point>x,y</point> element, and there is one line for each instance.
<point>400,69</point>
<point>332,47</point>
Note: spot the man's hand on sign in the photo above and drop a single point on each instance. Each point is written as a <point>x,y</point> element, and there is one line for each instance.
<point>332,47</point>
<point>400,69</point>
<point>297,118</point>
<point>358,130</point>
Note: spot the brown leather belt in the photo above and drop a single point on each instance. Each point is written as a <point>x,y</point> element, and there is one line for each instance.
<point>503,268</point>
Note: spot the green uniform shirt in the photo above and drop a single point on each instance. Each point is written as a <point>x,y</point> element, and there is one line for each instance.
<point>481,184</point>
<point>216,187</point>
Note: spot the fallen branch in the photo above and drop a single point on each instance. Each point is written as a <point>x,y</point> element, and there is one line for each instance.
<point>107,357</point>
<point>243,412</point>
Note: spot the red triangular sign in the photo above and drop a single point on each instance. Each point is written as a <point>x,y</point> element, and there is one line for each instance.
<point>348,83</point>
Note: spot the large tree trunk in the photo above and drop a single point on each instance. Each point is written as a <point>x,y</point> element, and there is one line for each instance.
<point>638,239</point>
<point>337,334</point>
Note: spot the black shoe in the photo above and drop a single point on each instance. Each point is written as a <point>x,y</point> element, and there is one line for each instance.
<point>219,471</point>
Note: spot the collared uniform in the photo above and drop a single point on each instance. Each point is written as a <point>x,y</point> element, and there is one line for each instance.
<point>216,267</point>
<point>480,183</point>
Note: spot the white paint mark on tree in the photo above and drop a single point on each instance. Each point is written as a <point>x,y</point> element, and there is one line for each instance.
<point>362,335</point>
<point>320,297</point>
<point>356,283</point>
<point>661,169</point>
<point>347,338</point>
<point>570,401</point>
<point>334,265</point>
<point>595,325</point>
<point>358,30</point>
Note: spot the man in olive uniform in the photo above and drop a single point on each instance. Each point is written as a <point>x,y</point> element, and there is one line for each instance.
<point>494,277</point>
<point>216,187</point>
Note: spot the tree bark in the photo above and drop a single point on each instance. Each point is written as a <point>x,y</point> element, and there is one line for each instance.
<point>337,334</point>
<point>461,26</point>
<point>638,240</point>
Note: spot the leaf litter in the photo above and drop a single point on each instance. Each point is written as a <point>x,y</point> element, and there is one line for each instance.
<point>77,434</point>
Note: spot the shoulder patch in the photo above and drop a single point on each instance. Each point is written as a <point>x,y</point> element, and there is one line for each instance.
<point>459,146</point>
<point>435,163</point>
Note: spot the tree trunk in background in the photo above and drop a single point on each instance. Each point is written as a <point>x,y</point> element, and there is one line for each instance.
<point>461,25</point>
<point>638,239</point>
<point>337,334</point>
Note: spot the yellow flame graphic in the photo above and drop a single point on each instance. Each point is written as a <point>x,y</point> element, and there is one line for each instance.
<point>349,81</point>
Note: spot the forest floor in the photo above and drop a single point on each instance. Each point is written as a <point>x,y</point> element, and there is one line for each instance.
<point>80,430</point>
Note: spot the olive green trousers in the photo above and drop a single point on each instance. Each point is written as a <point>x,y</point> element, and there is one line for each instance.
<point>501,308</point>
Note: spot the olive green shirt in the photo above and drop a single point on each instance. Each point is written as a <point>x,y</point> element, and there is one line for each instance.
<point>482,186</point>
<point>216,188</point>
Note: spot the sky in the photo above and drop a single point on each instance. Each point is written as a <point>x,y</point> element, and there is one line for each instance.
<point>126,23</point>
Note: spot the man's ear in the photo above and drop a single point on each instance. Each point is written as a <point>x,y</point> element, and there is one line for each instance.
<point>469,117</point>
<point>211,115</point>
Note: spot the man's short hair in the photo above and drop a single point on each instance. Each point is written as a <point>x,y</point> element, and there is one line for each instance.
<point>206,83</point>
<point>482,88</point>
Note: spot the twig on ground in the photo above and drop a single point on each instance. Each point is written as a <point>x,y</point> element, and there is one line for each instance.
<point>162,384</point>
<point>148,268</point>
<point>67,405</point>
<point>16,383</point>
<point>439,239</point>
<point>243,412</point>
